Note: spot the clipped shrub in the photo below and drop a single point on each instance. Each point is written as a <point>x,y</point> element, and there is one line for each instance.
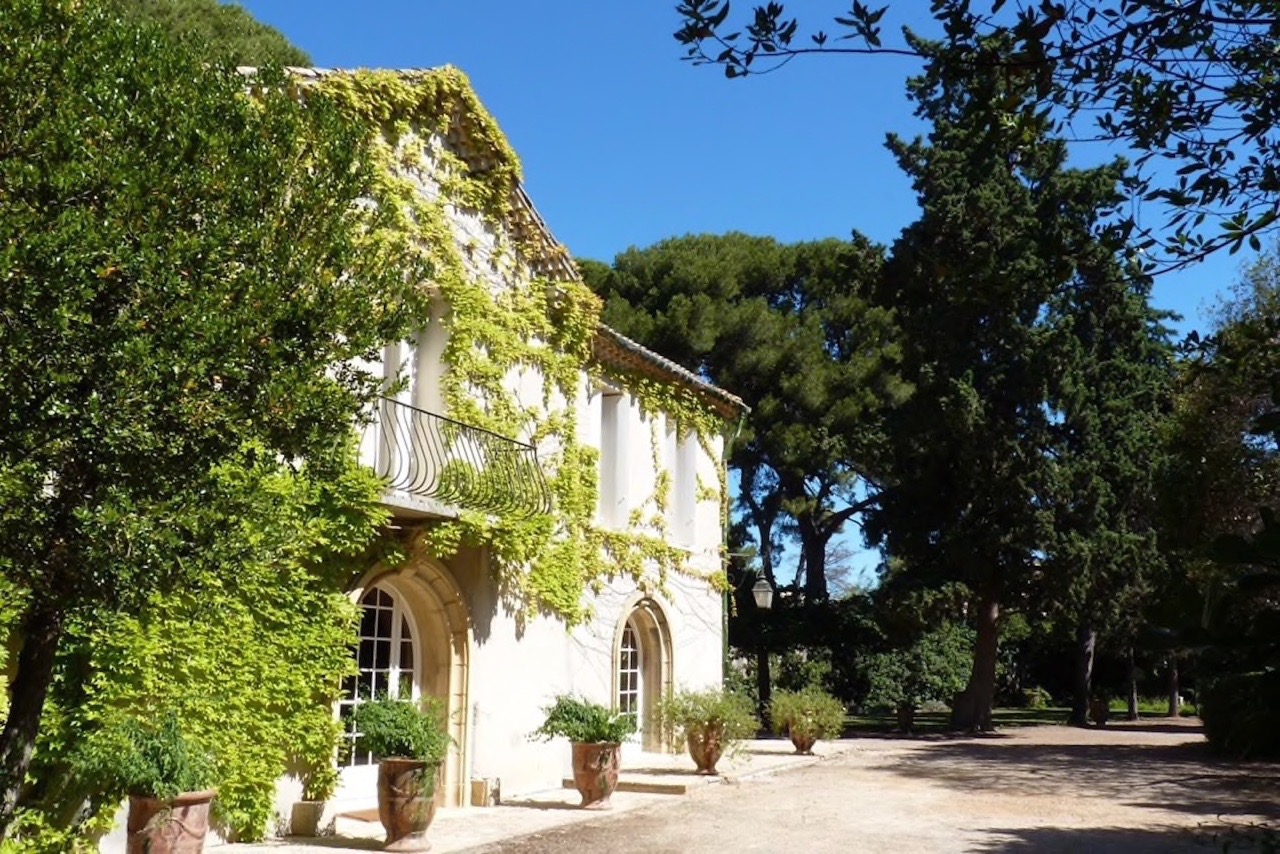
<point>581,720</point>
<point>1036,698</point>
<point>808,714</point>
<point>404,729</point>
<point>933,669</point>
<point>731,712</point>
<point>1241,716</point>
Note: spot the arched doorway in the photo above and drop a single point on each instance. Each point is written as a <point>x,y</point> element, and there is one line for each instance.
<point>413,641</point>
<point>642,669</point>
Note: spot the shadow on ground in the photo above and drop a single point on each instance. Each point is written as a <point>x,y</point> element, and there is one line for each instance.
<point>1095,840</point>
<point>1182,776</point>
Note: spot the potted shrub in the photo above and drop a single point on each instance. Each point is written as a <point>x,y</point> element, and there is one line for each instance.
<point>806,716</point>
<point>596,735</point>
<point>710,722</point>
<point>410,741</point>
<point>166,776</point>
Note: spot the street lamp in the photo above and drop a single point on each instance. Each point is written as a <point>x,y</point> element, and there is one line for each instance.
<point>762,592</point>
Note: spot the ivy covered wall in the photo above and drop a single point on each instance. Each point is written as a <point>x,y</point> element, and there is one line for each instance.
<point>518,359</point>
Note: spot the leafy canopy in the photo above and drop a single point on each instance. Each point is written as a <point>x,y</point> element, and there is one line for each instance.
<point>191,274</point>
<point>220,31</point>
<point>1189,86</point>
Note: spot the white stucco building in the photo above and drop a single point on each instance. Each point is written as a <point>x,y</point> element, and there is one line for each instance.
<point>458,625</point>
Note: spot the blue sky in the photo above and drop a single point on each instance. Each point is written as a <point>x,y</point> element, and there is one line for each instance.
<point>623,144</point>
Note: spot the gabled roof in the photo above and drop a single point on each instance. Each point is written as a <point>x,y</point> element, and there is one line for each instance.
<point>546,256</point>
<point>613,349</point>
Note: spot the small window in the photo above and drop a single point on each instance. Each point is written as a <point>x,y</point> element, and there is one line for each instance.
<point>613,509</point>
<point>629,674</point>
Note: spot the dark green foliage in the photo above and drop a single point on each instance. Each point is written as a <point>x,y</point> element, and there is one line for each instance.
<point>931,670</point>
<point>1240,714</point>
<point>220,31</point>
<point>788,328</point>
<point>581,720</point>
<point>1005,230</point>
<point>404,729</point>
<point>128,757</point>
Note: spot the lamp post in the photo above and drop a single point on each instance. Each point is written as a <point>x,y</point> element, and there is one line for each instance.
<point>762,593</point>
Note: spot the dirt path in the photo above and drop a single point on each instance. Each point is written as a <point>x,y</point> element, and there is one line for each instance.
<point>1145,787</point>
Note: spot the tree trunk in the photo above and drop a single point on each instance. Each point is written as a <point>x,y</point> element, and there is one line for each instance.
<point>815,562</point>
<point>763,690</point>
<point>1133,687</point>
<point>971,711</point>
<point>1086,642</point>
<point>1175,706</point>
<point>41,631</point>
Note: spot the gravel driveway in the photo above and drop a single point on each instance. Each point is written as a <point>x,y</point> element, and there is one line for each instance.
<point>1149,786</point>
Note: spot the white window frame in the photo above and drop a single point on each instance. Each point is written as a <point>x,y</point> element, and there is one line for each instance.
<point>401,618</point>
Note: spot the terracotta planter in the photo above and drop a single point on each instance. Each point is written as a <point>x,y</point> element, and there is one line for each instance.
<point>304,818</point>
<point>406,802</point>
<point>595,772</point>
<point>706,746</point>
<point>178,826</point>
<point>803,741</point>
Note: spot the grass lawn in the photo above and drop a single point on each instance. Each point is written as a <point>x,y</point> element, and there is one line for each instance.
<point>927,722</point>
<point>937,721</point>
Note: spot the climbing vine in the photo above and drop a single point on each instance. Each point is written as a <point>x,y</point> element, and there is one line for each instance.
<point>516,351</point>
<point>251,661</point>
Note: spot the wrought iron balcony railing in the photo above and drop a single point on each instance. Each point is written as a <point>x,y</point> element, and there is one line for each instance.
<point>430,456</point>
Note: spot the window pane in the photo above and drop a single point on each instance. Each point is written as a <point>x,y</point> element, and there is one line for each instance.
<point>406,656</point>
<point>384,623</point>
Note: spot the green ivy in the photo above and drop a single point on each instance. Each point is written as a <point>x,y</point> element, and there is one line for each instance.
<point>250,662</point>
<point>546,562</point>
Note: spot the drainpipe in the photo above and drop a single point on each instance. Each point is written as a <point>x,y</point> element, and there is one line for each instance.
<point>724,562</point>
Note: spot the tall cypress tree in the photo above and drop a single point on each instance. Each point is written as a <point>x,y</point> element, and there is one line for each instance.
<point>1110,398</point>
<point>1003,223</point>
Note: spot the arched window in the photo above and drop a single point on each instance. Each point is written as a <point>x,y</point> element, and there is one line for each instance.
<point>629,669</point>
<point>387,656</point>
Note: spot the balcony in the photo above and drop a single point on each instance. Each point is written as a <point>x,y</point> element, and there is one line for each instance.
<point>436,462</point>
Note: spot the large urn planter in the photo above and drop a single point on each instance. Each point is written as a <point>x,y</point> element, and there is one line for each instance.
<point>410,740</point>
<point>802,741</point>
<point>406,802</point>
<point>595,772</point>
<point>169,779</point>
<point>595,734</point>
<point>806,716</point>
<point>712,722</point>
<point>175,826</point>
<point>706,746</point>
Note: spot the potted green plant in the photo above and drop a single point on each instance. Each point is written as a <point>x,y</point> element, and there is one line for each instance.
<point>166,776</point>
<point>410,740</point>
<point>806,716</point>
<point>596,735</point>
<point>710,722</point>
